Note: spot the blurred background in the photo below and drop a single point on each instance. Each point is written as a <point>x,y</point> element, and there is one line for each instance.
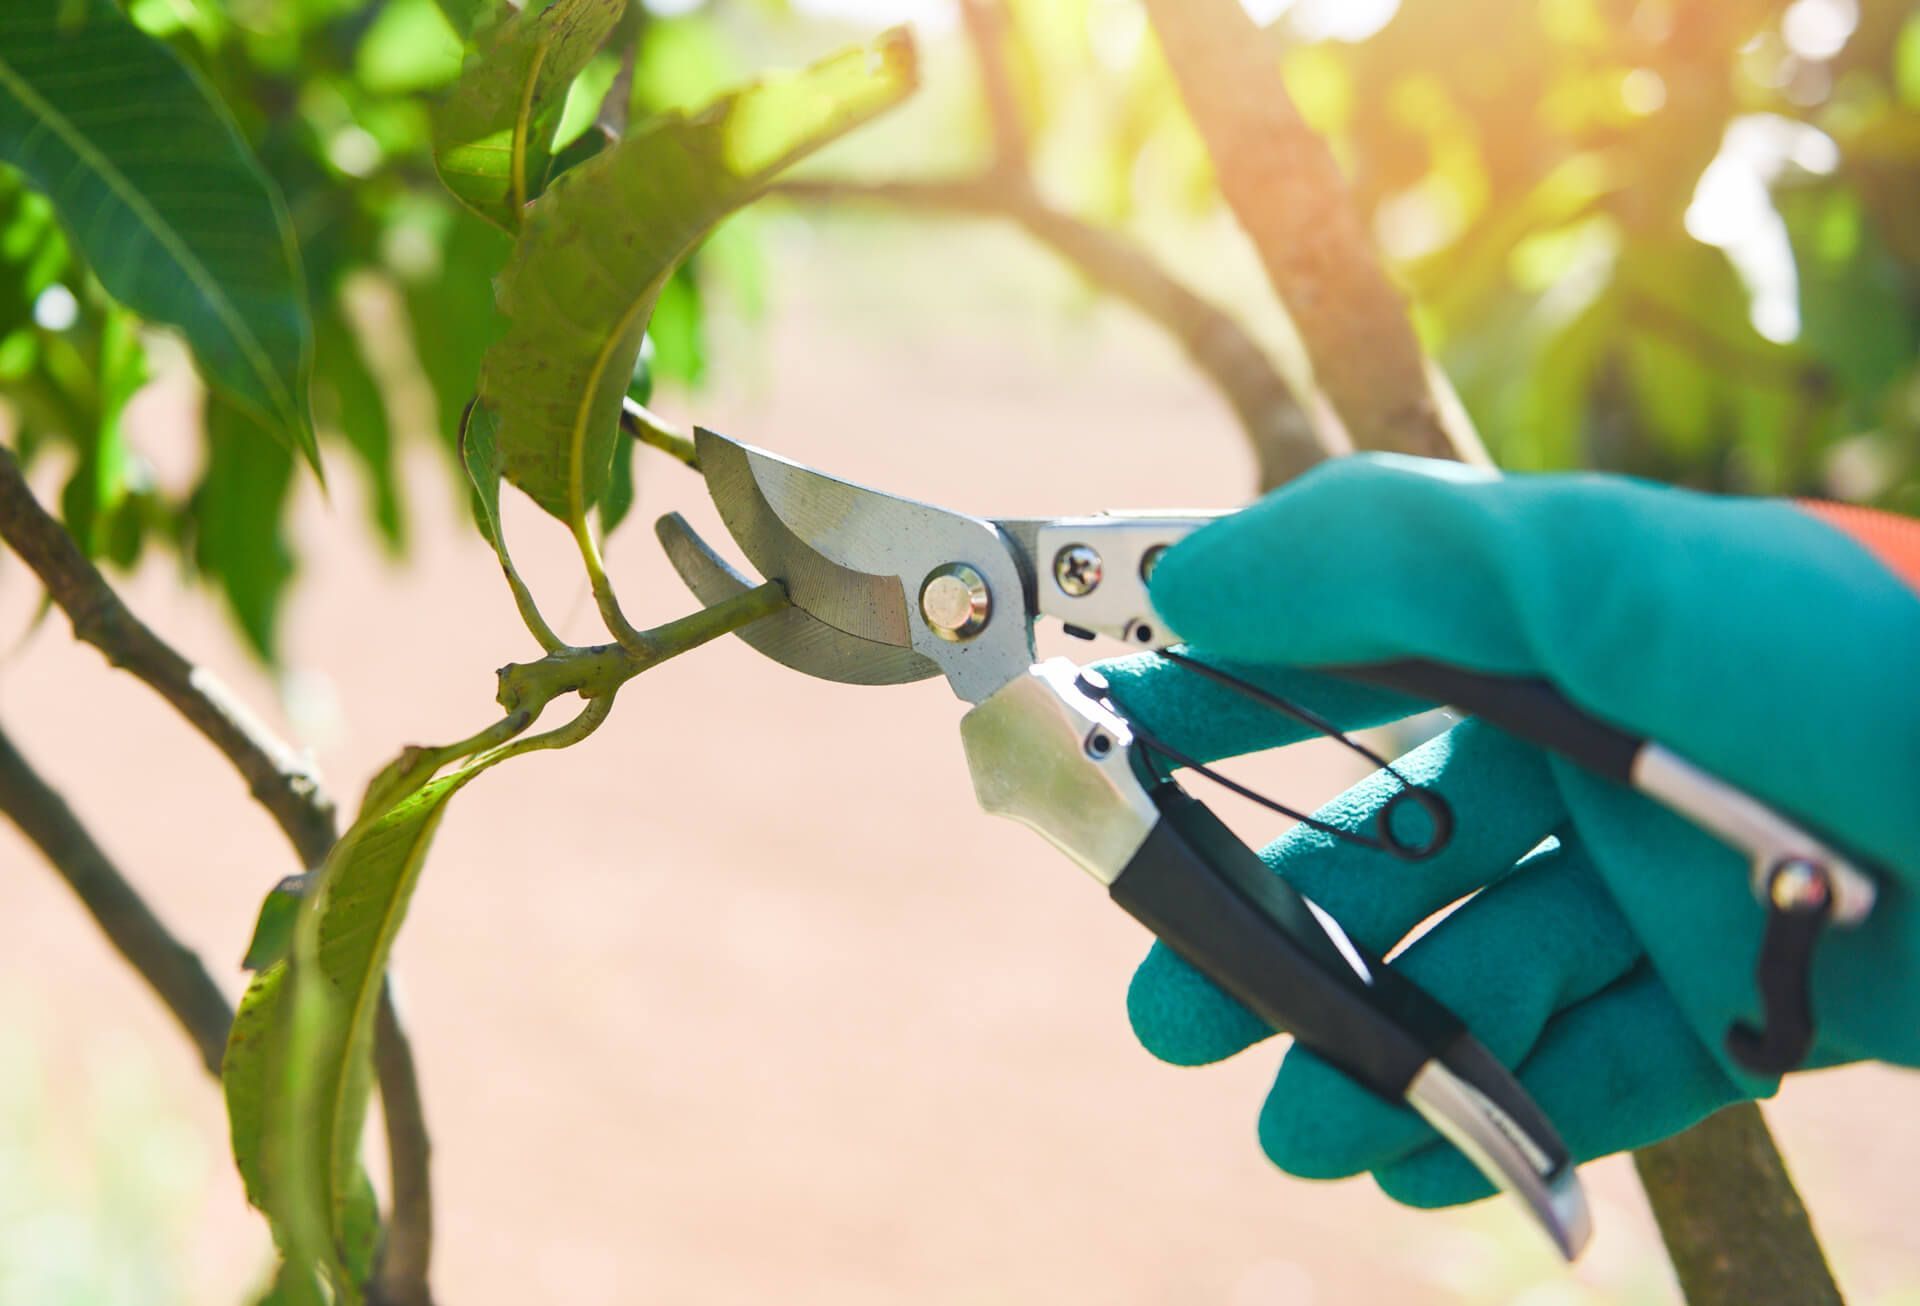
<point>744,998</point>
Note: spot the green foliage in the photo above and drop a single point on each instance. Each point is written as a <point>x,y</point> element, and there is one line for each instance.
<point>1541,175</point>
<point>162,196</point>
<point>598,246</point>
<point>237,536</point>
<point>298,1069</point>
<point>493,134</point>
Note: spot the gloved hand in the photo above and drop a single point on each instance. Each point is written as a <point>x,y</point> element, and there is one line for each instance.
<point>1612,943</point>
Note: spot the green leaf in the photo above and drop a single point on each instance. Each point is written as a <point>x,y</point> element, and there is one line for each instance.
<point>481,456</point>
<point>678,327</point>
<point>95,491</point>
<point>273,928</point>
<point>346,385</point>
<point>468,15</point>
<point>617,502</point>
<point>235,521</point>
<point>453,316</point>
<point>409,47</point>
<point>492,135</point>
<point>597,247</point>
<point>158,190</point>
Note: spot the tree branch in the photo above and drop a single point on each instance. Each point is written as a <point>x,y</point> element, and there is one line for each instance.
<point>1734,1225</point>
<point>406,1252</point>
<point>986,23</point>
<point>276,777</point>
<point>1721,1188</point>
<point>170,968</point>
<point>1282,183</point>
<point>1285,441</point>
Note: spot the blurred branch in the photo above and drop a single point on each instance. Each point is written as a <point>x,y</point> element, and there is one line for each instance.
<point>276,776</point>
<point>170,968</point>
<point>1734,1226</point>
<point>406,1252</point>
<point>987,22</point>
<point>1720,1191</point>
<point>1282,183</point>
<point>1283,435</point>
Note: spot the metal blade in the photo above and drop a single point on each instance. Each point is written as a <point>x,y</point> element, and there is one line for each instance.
<point>870,607</point>
<point>860,560</point>
<point>790,637</point>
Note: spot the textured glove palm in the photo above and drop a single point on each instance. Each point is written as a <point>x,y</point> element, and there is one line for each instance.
<point>1610,943</point>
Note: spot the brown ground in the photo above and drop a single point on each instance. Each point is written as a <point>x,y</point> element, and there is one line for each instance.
<point>744,1000</point>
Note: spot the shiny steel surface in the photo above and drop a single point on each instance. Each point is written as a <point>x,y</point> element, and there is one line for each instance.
<point>874,607</point>
<point>955,601</point>
<point>851,557</point>
<point>1500,1150</point>
<point>790,637</point>
<point>1029,752</point>
<point>1767,837</point>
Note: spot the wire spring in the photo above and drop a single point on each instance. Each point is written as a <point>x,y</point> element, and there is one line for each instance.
<point>1438,810</point>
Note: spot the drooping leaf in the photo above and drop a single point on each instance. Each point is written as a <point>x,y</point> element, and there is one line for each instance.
<point>481,455</point>
<point>597,246</point>
<point>492,135</point>
<point>94,492</point>
<point>350,397</point>
<point>158,190</point>
<point>235,516</point>
<point>617,502</point>
<point>453,316</point>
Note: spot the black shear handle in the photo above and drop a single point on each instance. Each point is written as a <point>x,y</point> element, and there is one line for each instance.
<point>1212,900</point>
<point>1524,706</point>
<point>1532,710</point>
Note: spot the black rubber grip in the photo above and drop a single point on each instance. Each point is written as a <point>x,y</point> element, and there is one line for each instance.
<point>1524,706</point>
<point>1212,900</point>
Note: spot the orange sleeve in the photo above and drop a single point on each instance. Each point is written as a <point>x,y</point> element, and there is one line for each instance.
<point>1893,539</point>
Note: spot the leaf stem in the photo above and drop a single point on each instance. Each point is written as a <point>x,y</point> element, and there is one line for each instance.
<point>598,671</point>
<point>649,428</point>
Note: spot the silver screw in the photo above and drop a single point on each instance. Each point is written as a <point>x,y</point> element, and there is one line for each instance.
<point>955,601</point>
<point>1151,559</point>
<point>1077,570</point>
<point>1798,885</point>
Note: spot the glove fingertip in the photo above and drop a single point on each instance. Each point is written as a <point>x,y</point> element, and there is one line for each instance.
<point>1319,1124</point>
<point>1432,1178</point>
<point>1182,1018</point>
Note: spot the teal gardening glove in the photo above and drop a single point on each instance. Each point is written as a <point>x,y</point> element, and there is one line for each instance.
<point>1611,943</point>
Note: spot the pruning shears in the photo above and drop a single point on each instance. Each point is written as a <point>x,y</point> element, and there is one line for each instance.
<point>886,590</point>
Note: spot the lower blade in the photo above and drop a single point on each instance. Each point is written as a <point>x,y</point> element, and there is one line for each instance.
<point>790,637</point>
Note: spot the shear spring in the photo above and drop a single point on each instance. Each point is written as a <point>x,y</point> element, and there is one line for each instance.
<point>1387,840</point>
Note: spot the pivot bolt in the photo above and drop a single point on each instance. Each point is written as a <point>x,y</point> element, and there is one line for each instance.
<point>955,601</point>
<point>1799,886</point>
<point>1077,570</point>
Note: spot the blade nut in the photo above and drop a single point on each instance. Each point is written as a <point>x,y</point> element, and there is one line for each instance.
<point>955,601</point>
<point>1077,570</point>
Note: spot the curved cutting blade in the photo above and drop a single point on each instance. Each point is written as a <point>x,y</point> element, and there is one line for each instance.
<point>857,559</point>
<point>790,637</point>
<point>867,606</point>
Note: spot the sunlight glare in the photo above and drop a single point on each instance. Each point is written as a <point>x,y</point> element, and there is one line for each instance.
<point>1733,209</point>
<point>1817,29</point>
<point>926,15</point>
